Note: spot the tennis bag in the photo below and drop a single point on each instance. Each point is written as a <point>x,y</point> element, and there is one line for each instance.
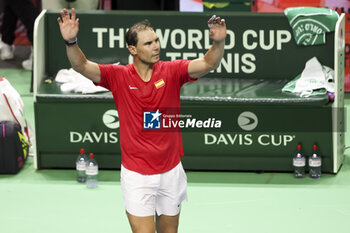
<point>14,148</point>
<point>12,108</point>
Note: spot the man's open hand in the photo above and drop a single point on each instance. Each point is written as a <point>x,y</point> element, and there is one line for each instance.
<point>69,26</point>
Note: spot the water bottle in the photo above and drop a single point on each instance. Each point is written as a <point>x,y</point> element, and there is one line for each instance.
<point>91,172</point>
<point>299,163</point>
<point>315,163</point>
<point>80,166</point>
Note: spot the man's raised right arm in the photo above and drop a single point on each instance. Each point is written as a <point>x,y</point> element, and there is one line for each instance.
<point>69,27</point>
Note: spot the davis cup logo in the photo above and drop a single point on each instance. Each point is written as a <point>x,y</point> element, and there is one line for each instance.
<point>247,121</point>
<point>111,119</point>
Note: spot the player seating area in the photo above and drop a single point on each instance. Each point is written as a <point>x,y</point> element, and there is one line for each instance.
<point>246,122</point>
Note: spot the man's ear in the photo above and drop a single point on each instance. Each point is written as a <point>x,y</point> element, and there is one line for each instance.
<point>132,49</point>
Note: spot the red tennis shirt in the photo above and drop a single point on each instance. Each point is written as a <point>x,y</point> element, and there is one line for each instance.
<point>155,151</point>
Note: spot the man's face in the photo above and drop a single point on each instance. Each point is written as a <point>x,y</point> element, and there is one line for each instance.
<point>148,47</point>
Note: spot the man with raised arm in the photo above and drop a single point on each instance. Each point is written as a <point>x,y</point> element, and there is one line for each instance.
<point>153,181</point>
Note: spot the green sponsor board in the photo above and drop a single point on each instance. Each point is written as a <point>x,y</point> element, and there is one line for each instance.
<point>268,151</point>
<point>63,128</point>
<point>220,138</point>
<point>253,49</point>
<point>240,122</point>
<point>88,124</point>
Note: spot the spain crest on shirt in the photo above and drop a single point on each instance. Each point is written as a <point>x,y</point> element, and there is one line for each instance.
<point>160,83</point>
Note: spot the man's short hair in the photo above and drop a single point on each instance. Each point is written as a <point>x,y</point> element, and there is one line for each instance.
<point>131,35</point>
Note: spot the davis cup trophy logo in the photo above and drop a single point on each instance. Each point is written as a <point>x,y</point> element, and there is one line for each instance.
<point>111,119</point>
<point>247,121</point>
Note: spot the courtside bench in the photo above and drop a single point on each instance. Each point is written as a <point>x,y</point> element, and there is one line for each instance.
<point>247,123</point>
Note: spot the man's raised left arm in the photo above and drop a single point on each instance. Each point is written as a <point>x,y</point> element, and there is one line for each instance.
<point>212,58</point>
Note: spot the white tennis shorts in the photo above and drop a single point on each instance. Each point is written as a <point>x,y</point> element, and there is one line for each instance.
<point>147,195</point>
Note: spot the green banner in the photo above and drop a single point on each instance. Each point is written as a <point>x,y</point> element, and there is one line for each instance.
<point>257,45</point>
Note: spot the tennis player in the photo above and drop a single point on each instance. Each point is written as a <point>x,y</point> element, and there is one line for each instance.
<point>153,181</point>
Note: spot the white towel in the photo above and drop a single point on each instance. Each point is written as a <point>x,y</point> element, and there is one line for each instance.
<point>74,81</point>
<point>314,77</point>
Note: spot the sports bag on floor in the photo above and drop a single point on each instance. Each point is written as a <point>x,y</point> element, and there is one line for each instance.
<point>12,108</point>
<point>13,148</point>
